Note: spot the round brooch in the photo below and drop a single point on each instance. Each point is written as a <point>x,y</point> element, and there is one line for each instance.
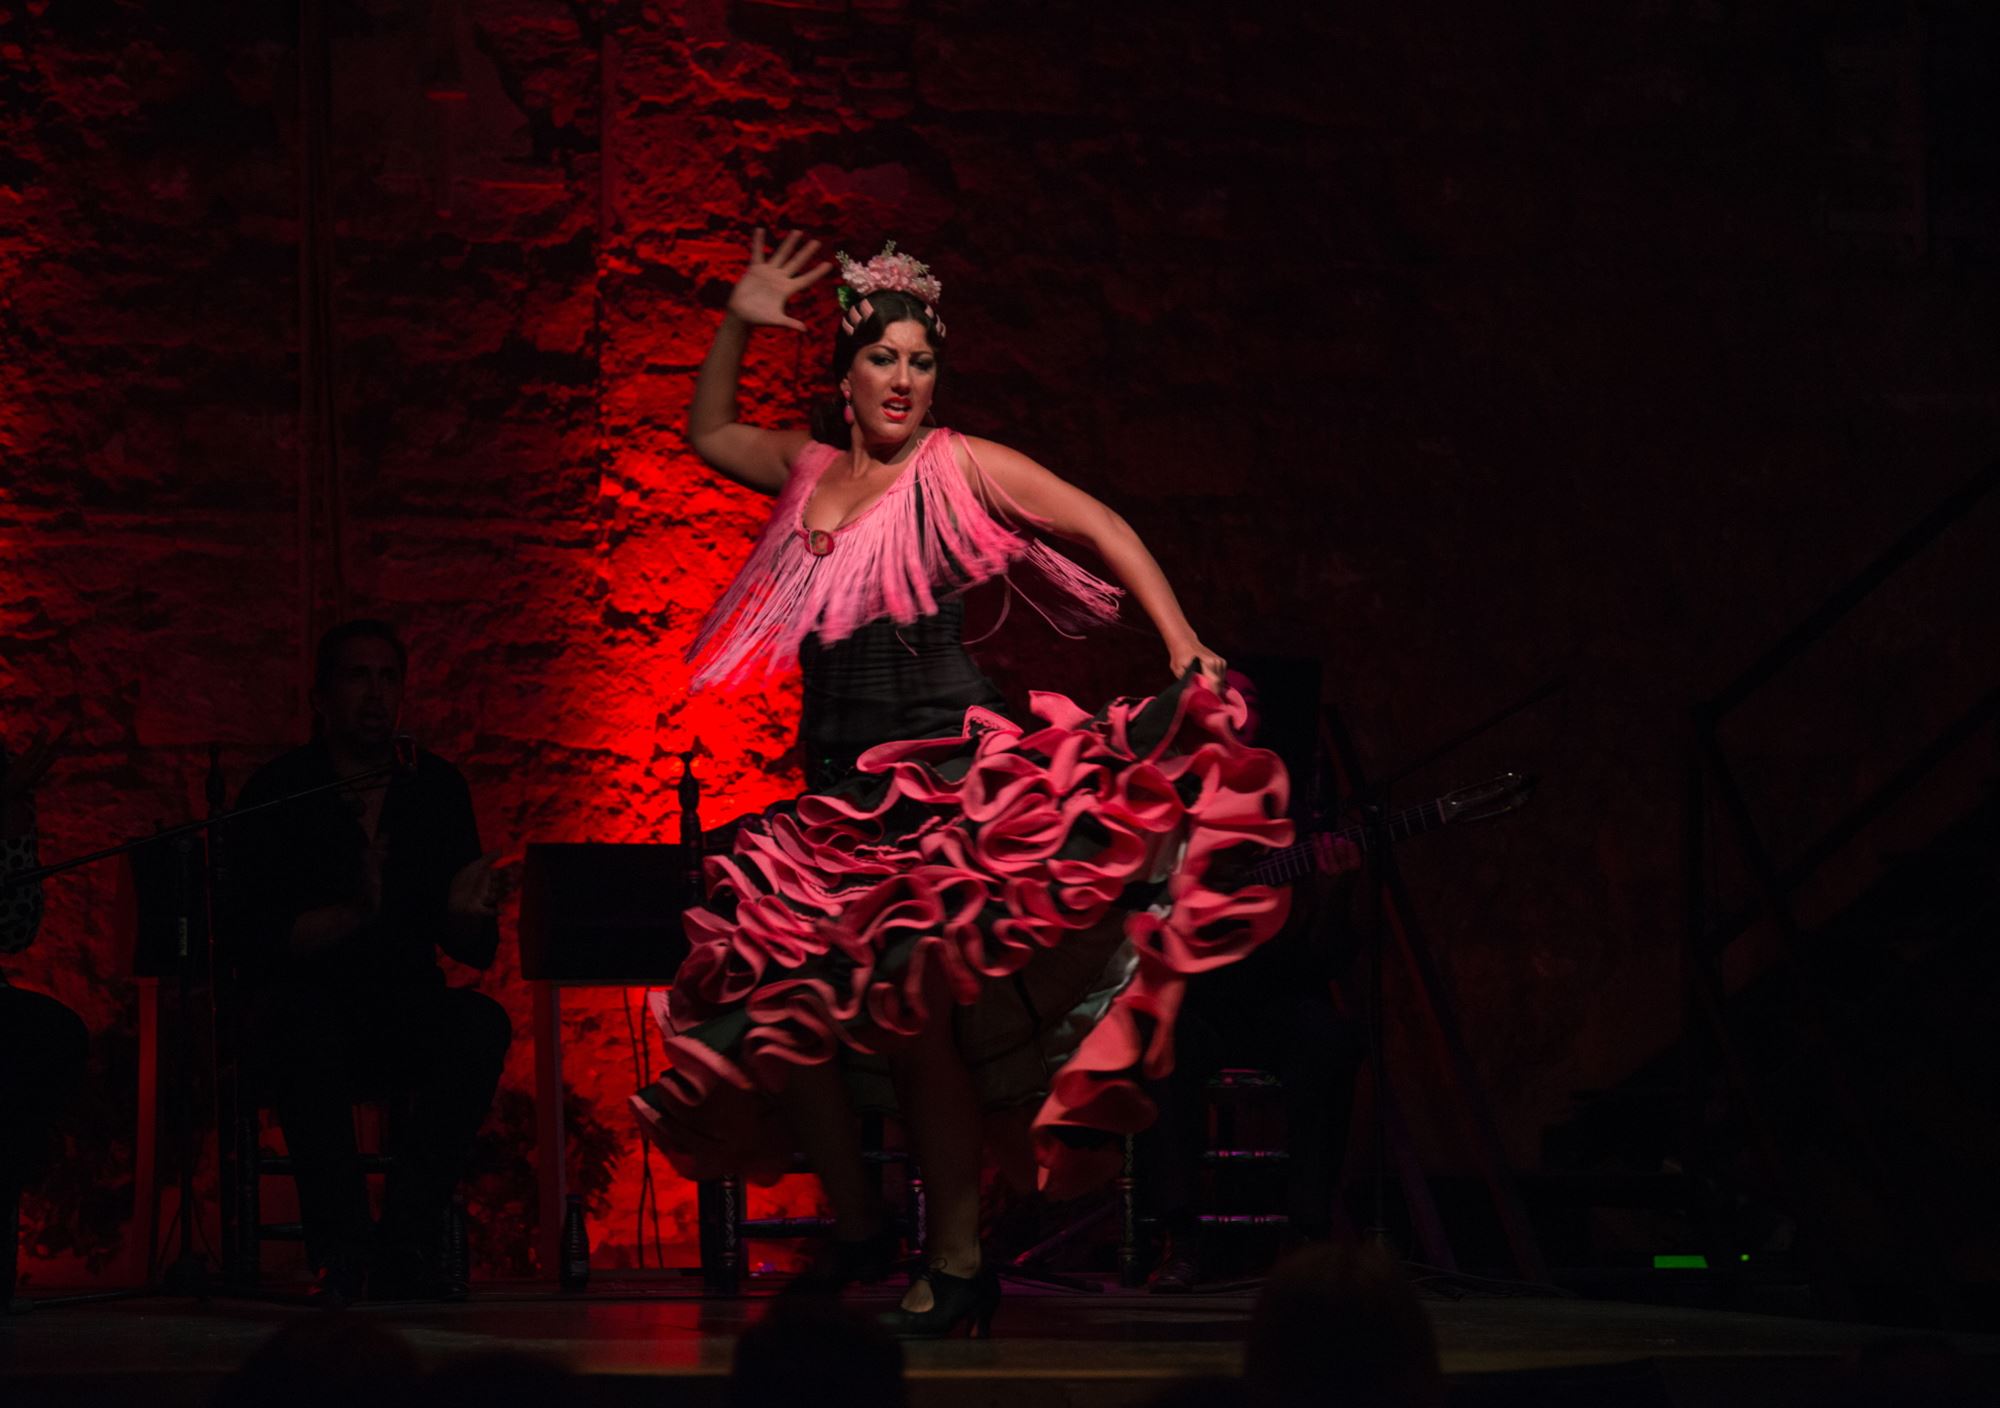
<point>819,542</point>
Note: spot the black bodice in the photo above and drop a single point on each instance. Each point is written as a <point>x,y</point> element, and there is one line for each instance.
<point>887,682</point>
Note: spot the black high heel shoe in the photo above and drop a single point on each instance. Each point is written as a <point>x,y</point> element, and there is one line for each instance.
<point>838,1264</point>
<point>955,1300</point>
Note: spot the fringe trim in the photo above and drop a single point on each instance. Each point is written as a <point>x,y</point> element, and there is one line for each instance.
<point>928,534</point>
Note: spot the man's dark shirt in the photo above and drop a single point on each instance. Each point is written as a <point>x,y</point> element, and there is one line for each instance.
<point>308,855</point>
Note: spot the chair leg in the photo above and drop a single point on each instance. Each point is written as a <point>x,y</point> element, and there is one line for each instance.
<point>10,1257</point>
<point>1131,1270</point>
<point>456,1236</point>
<point>719,1213</point>
<point>249,1248</point>
<point>873,1141</point>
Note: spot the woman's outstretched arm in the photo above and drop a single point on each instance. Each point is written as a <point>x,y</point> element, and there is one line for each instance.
<point>758,458</point>
<point>1065,511</point>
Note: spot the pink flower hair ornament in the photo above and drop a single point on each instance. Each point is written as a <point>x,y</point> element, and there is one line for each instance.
<point>888,270</point>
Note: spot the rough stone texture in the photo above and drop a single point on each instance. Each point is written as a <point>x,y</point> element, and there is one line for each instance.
<point>1460,346</point>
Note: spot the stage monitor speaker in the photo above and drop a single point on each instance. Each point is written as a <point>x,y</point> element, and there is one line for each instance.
<point>594,912</point>
<point>165,883</point>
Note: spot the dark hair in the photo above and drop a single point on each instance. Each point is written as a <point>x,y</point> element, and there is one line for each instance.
<point>829,426</point>
<point>327,659</point>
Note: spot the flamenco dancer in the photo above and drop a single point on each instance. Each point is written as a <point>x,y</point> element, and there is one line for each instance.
<point>1001,911</point>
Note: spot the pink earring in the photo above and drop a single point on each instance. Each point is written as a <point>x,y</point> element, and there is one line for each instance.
<point>848,411</point>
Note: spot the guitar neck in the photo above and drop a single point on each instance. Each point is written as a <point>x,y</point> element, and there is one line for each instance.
<point>1293,862</point>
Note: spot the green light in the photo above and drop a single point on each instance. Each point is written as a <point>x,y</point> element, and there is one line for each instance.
<point>1680,1263</point>
<point>1744,1257</point>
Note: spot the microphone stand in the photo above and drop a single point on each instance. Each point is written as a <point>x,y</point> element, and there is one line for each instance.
<point>1382,882</point>
<point>188,828</point>
<point>719,1208</point>
<point>1374,940</point>
<point>187,1276</point>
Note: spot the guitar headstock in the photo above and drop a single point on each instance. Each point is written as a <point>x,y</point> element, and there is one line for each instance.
<point>1494,797</point>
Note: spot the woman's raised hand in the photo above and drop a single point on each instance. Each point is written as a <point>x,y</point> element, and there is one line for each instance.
<point>760,295</point>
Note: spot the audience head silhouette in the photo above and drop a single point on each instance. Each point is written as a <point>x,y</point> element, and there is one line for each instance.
<point>502,1378</point>
<point>808,1351</point>
<point>1344,1316</point>
<point>325,1361</point>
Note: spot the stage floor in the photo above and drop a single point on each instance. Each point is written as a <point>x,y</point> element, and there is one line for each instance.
<point>1051,1348</point>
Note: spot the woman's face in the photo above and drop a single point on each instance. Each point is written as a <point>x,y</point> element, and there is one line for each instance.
<point>890,383</point>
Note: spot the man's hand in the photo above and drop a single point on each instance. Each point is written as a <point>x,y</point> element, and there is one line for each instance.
<point>475,890</point>
<point>1333,854</point>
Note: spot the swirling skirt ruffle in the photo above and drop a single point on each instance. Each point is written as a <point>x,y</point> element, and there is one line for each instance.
<point>966,868</point>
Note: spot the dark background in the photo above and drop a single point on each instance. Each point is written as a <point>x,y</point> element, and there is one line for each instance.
<point>1462,347</point>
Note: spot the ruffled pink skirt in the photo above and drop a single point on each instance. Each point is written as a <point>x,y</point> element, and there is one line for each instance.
<point>972,866</point>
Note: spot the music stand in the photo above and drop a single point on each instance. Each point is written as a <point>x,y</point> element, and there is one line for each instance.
<point>592,915</point>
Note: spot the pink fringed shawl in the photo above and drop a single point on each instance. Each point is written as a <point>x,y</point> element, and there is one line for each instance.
<point>928,534</point>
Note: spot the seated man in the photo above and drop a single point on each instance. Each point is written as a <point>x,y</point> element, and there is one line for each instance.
<point>42,1043</point>
<point>1273,1011</point>
<point>344,899</point>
